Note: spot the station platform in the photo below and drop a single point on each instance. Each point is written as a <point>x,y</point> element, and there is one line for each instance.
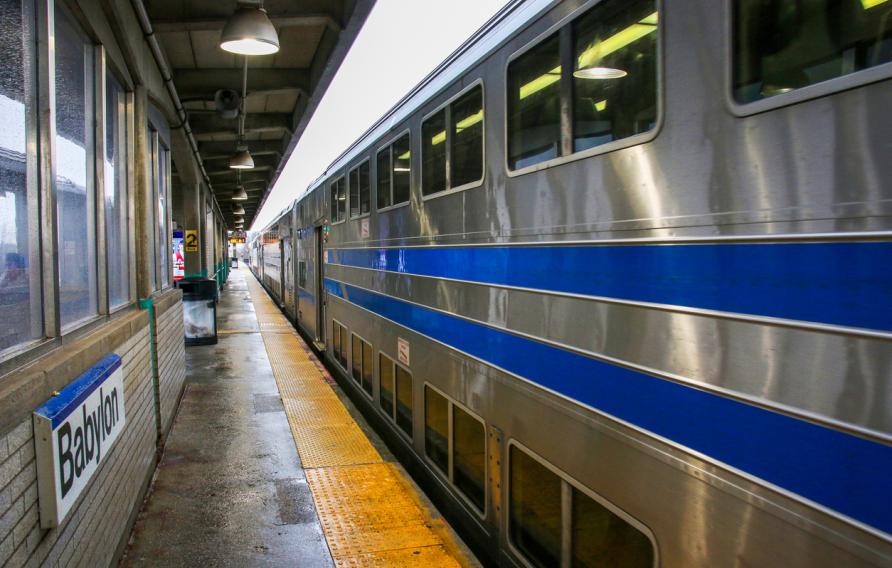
<point>268,463</point>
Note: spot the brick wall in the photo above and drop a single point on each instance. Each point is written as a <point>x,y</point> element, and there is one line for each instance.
<point>99,519</point>
<point>171,354</point>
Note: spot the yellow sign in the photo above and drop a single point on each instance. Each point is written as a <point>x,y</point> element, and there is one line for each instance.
<point>236,240</point>
<point>191,241</point>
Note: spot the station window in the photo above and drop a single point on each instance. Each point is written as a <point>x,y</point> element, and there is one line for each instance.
<point>394,170</point>
<point>436,428</point>
<point>454,136</point>
<point>537,517</point>
<point>117,227</point>
<point>75,187</point>
<point>450,428</point>
<point>360,192</point>
<point>20,280</point>
<point>404,400</point>
<point>363,363</point>
<point>602,86</point>
<point>780,46</point>
<point>338,200</point>
<point>161,163</point>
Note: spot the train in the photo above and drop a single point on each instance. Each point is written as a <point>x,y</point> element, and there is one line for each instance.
<point>614,283</point>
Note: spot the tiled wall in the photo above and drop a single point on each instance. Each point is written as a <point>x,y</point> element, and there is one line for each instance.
<point>171,354</point>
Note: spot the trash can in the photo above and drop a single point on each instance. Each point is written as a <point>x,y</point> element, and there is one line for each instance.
<point>199,309</point>
<point>233,262</point>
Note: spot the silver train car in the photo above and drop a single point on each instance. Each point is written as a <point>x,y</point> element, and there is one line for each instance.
<point>615,282</point>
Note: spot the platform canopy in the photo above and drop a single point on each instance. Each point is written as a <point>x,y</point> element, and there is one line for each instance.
<point>283,89</point>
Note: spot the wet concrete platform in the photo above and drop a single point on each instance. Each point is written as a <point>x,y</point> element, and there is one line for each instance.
<point>230,489</point>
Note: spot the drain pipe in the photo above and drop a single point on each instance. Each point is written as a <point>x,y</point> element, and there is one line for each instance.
<point>146,25</point>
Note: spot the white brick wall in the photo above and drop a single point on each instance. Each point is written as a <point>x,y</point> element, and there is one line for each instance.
<point>171,355</point>
<point>94,527</point>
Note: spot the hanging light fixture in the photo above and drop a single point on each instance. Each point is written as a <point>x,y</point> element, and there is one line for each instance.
<point>242,159</point>
<point>240,194</point>
<point>238,219</point>
<point>249,32</point>
<point>238,210</point>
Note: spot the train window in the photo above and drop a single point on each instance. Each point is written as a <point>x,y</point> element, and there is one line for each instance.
<point>433,154</point>
<point>344,347</point>
<point>20,277</point>
<point>534,521</point>
<point>534,105</point>
<point>357,359</point>
<point>338,200</point>
<point>384,197</point>
<point>302,273</point>
<point>615,72</point>
<point>336,340</point>
<point>469,456</point>
<point>117,226</point>
<point>402,155</point>
<point>368,367</point>
<point>466,145</point>
<point>75,188</point>
<point>436,428</point>
<point>360,192</point>
<point>603,538</point>
<point>461,148</point>
<point>404,400</point>
<point>780,46</point>
<point>385,379</point>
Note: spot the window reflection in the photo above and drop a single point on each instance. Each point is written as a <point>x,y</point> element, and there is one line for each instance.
<point>433,154</point>
<point>534,105</point>
<point>436,428</point>
<point>467,139</point>
<point>73,162</point>
<point>20,299</point>
<point>780,46</point>
<point>116,225</point>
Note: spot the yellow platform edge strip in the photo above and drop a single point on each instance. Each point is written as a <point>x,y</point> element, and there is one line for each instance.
<point>371,513</point>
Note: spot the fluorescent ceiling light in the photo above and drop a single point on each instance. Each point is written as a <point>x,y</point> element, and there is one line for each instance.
<point>402,170</point>
<point>249,32</point>
<point>464,123</point>
<point>405,155</point>
<point>868,4</point>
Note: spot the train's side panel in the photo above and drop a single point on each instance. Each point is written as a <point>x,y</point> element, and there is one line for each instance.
<point>701,320</point>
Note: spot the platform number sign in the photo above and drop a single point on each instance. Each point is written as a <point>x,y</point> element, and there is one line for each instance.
<point>191,240</point>
<point>402,350</point>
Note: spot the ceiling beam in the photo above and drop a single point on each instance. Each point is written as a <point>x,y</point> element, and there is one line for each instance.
<point>206,126</point>
<point>256,168</point>
<point>209,24</point>
<point>203,83</point>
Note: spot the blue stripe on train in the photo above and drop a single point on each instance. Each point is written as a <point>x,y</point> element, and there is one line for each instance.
<point>835,283</point>
<point>843,472</point>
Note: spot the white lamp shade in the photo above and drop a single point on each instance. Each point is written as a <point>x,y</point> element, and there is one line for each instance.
<point>249,32</point>
<point>241,160</point>
<point>240,194</point>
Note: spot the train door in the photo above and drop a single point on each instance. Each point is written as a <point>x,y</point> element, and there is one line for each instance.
<point>319,253</point>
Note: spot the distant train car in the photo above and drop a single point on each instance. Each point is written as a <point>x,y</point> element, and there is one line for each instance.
<point>615,282</point>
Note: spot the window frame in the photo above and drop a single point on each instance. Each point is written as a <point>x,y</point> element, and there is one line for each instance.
<point>353,380</point>
<point>446,105</point>
<point>389,146</point>
<point>568,483</point>
<point>331,183</point>
<point>397,365</point>
<point>558,28</point>
<point>802,94</point>
<point>449,476</point>
<point>355,168</point>
<point>337,359</point>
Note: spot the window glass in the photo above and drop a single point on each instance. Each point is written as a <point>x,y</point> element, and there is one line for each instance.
<point>345,346</point>
<point>354,192</point>
<point>601,538</point>
<point>467,138</point>
<point>20,299</point>
<point>615,72</point>
<point>357,359</point>
<point>402,154</point>
<point>368,367</point>
<point>75,190</point>
<point>404,400</point>
<point>385,374</point>
<point>163,180</point>
<point>433,153</point>
<point>534,521</point>
<point>534,105</point>
<point>302,273</point>
<point>153,221</point>
<point>384,197</point>
<point>333,201</point>
<point>469,456</point>
<point>436,428</point>
<point>117,228</point>
<point>780,45</point>
<point>342,198</point>
<point>365,191</point>
<point>336,340</point>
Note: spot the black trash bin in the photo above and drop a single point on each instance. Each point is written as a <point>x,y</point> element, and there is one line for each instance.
<point>199,309</point>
